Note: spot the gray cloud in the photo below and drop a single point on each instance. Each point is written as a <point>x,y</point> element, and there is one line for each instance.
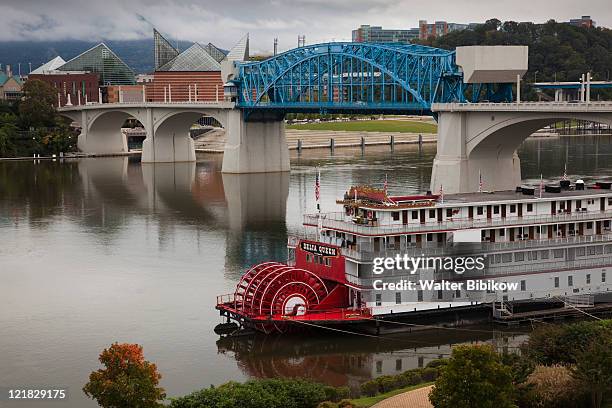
<point>224,22</point>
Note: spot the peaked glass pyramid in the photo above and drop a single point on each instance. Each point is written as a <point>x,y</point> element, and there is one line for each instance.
<point>100,59</point>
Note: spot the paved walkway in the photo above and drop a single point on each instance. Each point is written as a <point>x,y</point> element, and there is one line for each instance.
<point>418,398</point>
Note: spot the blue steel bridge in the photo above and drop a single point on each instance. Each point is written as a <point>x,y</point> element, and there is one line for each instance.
<point>359,78</point>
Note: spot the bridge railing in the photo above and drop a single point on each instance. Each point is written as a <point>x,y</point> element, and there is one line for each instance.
<point>530,106</point>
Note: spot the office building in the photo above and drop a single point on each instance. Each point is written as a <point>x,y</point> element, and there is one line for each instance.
<point>367,33</point>
<point>584,21</point>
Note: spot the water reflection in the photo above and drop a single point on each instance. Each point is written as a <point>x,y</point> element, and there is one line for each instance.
<point>102,250</point>
<point>352,359</point>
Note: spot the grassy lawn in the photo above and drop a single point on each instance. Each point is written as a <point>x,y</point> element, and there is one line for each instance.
<point>405,126</point>
<point>366,402</point>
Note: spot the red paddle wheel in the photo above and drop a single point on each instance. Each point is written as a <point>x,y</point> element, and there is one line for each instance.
<point>273,288</point>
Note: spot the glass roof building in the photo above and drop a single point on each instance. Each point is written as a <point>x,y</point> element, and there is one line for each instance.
<point>164,51</point>
<point>102,60</point>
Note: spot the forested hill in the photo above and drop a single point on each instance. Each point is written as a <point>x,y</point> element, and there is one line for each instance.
<point>554,48</point>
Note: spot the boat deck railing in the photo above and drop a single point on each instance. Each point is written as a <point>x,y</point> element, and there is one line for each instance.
<point>341,222</point>
<point>366,252</point>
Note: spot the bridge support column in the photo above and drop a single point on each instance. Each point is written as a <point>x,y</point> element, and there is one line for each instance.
<point>458,169</point>
<point>104,136</point>
<point>170,142</point>
<point>255,146</point>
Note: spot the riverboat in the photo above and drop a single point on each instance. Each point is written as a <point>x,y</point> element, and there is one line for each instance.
<point>546,251</point>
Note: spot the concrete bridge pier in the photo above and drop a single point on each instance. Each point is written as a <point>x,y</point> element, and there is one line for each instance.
<point>169,141</point>
<point>256,143</point>
<point>463,159</point>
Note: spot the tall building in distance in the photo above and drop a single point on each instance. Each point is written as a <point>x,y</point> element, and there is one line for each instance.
<point>584,21</point>
<point>367,33</point>
<point>440,28</point>
<point>377,34</point>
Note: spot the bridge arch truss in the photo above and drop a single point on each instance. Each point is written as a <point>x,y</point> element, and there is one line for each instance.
<point>354,77</point>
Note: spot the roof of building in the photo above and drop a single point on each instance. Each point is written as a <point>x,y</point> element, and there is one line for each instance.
<point>4,78</point>
<point>216,52</point>
<point>102,60</point>
<point>240,51</point>
<point>164,51</point>
<point>52,65</point>
<point>194,58</point>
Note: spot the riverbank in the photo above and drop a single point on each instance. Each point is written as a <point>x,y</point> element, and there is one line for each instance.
<point>314,139</point>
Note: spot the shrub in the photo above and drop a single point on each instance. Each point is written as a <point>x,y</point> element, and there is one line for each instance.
<point>346,403</point>
<point>336,393</point>
<point>554,387</point>
<point>327,404</point>
<point>413,377</point>
<point>429,374</point>
<point>269,393</point>
<point>437,363</point>
<point>387,383</point>
<point>552,344</point>
<point>369,388</point>
<point>474,377</point>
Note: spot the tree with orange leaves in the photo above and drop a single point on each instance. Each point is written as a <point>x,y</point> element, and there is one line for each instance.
<point>127,381</point>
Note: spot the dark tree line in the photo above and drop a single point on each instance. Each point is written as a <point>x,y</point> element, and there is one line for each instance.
<point>557,51</point>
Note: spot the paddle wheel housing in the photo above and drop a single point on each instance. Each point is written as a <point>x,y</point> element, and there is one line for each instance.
<point>271,294</point>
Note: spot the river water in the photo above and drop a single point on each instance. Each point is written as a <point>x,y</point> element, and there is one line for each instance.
<point>95,251</point>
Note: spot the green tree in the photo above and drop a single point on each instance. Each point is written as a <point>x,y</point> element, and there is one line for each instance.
<point>36,109</point>
<point>127,381</point>
<point>474,377</point>
<point>594,368</point>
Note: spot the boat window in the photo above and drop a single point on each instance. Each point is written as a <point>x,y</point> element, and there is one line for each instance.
<point>449,212</point>
<point>479,210</point>
<point>432,213</point>
<point>523,285</point>
<point>420,292</point>
<point>580,251</point>
<point>588,278</point>
<point>529,207</point>
<point>378,301</point>
<point>519,256</point>
<point>398,298</point>
<point>395,215</point>
<point>506,258</point>
<point>439,294</point>
<point>512,208</point>
<point>603,277</point>
<point>544,254</point>
<point>608,249</point>
<point>589,225</point>
<point>558,253</point>
<point>496,209</point>
<point>457,293</point>
<point>502,232</point>
<point>556,281</point>
<point>415,215</point>
<point>570,280</point>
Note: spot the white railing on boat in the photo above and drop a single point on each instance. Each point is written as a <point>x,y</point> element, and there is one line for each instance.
<point>338,221</point>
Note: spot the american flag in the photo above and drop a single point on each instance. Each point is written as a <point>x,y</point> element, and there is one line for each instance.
<point>565,172</point>
<point>318,186</point>
<point>479,181</point>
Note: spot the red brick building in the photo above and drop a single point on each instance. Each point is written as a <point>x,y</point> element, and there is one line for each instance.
<point>73,83</point>
<point>174,86</point>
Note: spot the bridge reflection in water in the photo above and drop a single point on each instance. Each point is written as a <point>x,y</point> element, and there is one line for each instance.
<point>346,360</point>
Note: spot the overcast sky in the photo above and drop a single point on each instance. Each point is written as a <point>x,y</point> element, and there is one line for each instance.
<point>223,22</point>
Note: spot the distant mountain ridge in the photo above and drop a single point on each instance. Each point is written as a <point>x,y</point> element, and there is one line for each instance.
<point>138,54</point>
